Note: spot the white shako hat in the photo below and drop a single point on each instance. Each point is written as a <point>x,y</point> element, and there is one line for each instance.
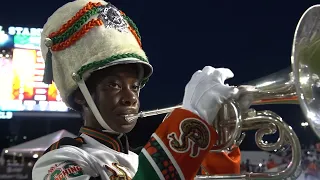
<point>84,36</point>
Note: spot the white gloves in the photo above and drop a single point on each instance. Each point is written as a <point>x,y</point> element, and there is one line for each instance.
<point>206,92</point>
<point>245,97</point>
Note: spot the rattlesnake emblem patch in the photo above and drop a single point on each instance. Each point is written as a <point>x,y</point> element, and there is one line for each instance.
<point>194,137</point>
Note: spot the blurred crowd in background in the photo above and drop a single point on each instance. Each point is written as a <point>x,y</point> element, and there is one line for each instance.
<point>310,163</point>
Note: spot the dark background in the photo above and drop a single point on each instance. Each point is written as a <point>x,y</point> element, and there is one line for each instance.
<point>252,38</point>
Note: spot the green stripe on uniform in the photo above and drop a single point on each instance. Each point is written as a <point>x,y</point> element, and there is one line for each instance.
<point>145,170</point>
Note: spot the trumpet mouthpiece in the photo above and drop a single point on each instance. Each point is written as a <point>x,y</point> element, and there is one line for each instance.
<point>131,117</point>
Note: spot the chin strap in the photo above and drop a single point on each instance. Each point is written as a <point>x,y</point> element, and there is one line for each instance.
<point>120,135</point>
<point>83,88</point>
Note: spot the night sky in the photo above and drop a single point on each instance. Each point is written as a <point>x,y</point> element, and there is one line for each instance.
<point>252,38</point>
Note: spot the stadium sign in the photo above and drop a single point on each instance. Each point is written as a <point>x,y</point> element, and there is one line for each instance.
<point>22,31</point>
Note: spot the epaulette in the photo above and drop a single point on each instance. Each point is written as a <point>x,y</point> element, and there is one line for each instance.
<point>78,142</point>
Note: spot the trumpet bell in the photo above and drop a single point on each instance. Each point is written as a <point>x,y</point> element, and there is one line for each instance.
<point>305,62</point>
<point>298,84</point>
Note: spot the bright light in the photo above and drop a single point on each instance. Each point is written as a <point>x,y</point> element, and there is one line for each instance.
<point>265,84</point>
<point>3,38</point>
<point>35,156</point>
<point>6,151</point>
<point>9,115</point>
<point>6,115</point>
<point>260,165</point>
<point>304,80</point>
<point>304,124</point>
<point>311,115</point>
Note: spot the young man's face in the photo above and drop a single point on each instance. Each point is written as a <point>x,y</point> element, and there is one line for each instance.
<point>117,94</point>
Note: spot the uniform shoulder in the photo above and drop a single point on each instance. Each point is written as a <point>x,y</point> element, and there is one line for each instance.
<point>66,141</point>
<point>65,153</point>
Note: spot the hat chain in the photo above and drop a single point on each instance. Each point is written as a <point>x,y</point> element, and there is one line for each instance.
<point>75,18</point>
<point>78,35</point>
<point>75,27</point>
<point>133,28</point>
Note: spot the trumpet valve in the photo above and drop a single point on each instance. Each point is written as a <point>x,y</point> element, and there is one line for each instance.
<point>251,112</point>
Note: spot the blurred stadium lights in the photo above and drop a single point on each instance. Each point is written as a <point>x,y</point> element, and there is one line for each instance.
<point>304,124</point>
<point>3,36</point>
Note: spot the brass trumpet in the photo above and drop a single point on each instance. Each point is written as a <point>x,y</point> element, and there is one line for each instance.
<point>296,85</point>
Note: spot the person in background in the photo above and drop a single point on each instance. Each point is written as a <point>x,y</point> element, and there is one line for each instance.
<point>243,167</point>
<point>271,163</point>
<point>264,165</point>
<point>312,170</point>
<point>248,165</point>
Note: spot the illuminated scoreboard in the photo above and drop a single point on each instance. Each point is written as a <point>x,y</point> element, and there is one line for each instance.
<point>21,73</point>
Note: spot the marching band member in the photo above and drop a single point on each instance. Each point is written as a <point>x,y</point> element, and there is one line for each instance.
<point>94,55</point>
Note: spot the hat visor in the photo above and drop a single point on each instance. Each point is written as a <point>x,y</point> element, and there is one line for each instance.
<point>147,68</point>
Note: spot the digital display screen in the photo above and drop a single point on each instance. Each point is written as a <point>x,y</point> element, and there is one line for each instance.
<point>21,73</point>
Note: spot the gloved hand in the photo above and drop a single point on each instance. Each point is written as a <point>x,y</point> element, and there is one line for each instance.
<point>206,92</point>
<point>244,98</point>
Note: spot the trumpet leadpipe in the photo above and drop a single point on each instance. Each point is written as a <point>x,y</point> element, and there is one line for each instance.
<point>143,114</point>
